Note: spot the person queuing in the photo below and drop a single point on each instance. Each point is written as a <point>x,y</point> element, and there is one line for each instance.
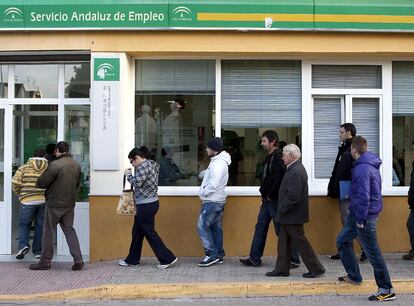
<point>213,196</point>
<point>292,213</point>
<point>61,181</point>
<point>274,170</point>
<point>410,220</point>
<point>365,206</point>
<point>145,185</point>
<point>32,201</point>
<point>341,174</point>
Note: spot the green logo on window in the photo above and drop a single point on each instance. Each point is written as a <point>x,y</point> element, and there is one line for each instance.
<point>106,69</point>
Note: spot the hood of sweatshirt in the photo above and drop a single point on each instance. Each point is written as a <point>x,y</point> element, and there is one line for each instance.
<point>38,163</point>
<point>370,159</point>
<point>223,155</point>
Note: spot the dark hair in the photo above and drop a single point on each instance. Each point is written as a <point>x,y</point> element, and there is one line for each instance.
<point>62,146</point>
<point>271,136</point>
<point>50,148</point>
<point>142,152</point>
<point>360,144</point>
<point>349,127</point>
<point>39,152</point>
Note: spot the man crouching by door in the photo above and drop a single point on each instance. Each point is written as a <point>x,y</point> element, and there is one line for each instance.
<point>213,195</point>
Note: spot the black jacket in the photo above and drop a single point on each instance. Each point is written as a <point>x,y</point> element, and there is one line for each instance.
<point>342,168</point>
<point>274,170</point>
<point>411,190</point>
<point>293,203</point>
<point>61,181</point>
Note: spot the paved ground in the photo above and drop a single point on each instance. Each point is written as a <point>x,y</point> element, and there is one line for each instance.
<point>17,279</point>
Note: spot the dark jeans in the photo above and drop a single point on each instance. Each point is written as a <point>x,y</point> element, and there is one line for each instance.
<point>210,228</point>
<point>292,236</point>
<point>267,213</point>
<point>64,217</point>
<point>144,226</point>
<point>368,238</point>
<point>28,213</point>
<point>410,227</point>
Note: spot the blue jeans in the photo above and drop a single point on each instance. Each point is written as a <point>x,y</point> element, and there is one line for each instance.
<point>267,213</point>
<point>28,213</point>
<point>368,238</point>
<point>210,228</point>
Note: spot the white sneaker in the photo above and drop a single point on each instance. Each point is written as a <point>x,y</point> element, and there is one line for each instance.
<point>123,263</point>
<point>162,267</point>
<point>22,252</point>
<point>38,256</point>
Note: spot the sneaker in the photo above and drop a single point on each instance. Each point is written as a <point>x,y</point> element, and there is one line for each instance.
<point>363,257</point>
<point>382,297</point>
<point>123,263</point>
<point>250,263</point>
<point>208,261</point>
<point>409,256</point>
<point>78,266</point>
<point>162,267</point>
<point>294,265</point>
<point>22,252</point>
<point>221,260</point>
<point>335,257</point>
<point>41,265</point>
<point>346,279</point>
<point>314,274</point>
<point>37,256</point>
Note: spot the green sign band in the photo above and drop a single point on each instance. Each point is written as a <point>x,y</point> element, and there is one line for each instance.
<point>371,15</point>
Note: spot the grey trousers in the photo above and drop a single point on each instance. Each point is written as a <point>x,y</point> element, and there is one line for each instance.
<point>64,217</point>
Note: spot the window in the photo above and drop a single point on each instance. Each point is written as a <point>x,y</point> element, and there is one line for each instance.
<point>1,154</point>
<point>258,96</point>
<point>402,122</point>
<point>174,116</point>
<point>77,118</point>
<point>4,75</point>
<point>77,80</point>
<point>36,81</point>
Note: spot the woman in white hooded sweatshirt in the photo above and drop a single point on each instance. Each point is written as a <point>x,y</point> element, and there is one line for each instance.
<point>213,195</point>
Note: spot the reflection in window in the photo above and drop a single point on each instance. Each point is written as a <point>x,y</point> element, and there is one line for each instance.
<point>4,75</point>
<point>402,122</point>
<point>36,81</point>
<point>258,96</point>
<point>174,116</point>
<point>77,119</point>
<point>77,80</point>
<point>1,154</point>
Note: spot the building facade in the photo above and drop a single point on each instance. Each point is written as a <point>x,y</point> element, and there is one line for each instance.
<point>107,76</point>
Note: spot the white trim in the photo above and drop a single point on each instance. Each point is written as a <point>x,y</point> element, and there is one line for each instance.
<point>307,118</point>
<point>218,99</point>
<point>335,91</point>
<point>386,133</point>
<point>61,106</point>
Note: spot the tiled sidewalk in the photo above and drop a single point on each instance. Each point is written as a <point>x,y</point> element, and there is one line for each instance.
<point>17,279</point>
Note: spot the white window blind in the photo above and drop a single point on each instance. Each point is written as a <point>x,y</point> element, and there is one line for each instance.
<point>346,76</point>
<point>403,88</point>
<point>365,117</point>
<point>261,93</point>
<point>175,76</point>
<point>327,119</point>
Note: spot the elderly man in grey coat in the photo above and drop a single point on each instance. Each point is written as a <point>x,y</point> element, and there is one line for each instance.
<point>293,212</point>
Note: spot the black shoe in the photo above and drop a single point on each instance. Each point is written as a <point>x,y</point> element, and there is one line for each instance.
<point>41,265</point>
<point>294,265</point>
<point>409,256</point>
<point>382,297</point>
<point>276,273</point>
<point>208,261</point>
<point>221,260</point>
<point>77,266</point>
<point>335,257</point>
<point>250,263</point>
<point>363,257</point>
<point>314,274</point>
<point>22,252</point>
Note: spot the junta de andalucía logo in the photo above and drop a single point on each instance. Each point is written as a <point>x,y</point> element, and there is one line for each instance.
<point>104,71</point>
<point>13,14</point>
<point>182,13</point>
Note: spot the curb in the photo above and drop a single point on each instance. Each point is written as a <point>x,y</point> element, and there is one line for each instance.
<point>211,290</point>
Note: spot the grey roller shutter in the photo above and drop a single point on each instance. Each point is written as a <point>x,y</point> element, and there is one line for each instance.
<point>261,93</point>
<point>403,88</point>
<point>175,76</point>
<point>365,117</point>
<point>346,76</point>
<point>327,119</point>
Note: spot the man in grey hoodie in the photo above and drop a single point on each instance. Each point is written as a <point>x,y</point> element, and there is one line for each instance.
<point>213,194</point>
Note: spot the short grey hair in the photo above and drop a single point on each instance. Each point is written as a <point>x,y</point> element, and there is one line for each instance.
<point>292,149</point>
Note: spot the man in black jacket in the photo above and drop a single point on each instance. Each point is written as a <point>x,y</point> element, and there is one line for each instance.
<point>342,172</point>
<point>410,221</point>
<point>293,212</point>
<point>273,172</point>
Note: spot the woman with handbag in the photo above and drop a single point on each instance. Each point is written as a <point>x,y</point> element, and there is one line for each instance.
<point>145,185</point>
